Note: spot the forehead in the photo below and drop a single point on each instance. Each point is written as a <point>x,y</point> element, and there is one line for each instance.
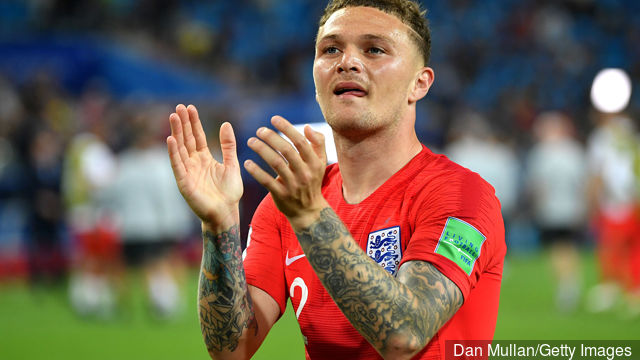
<point>357,21</point>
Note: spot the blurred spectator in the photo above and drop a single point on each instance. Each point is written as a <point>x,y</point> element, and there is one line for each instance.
<point>89,169</point>
<point>13,181</point>
<point>39,141</point>
<point>614,159</point>
<point>47,258</point>
<point>152,217</point>
<point>556,169</point>
<point>475,147</point>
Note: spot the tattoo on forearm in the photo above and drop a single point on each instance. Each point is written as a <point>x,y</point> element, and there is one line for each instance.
<point>418,302</point>
<point>225,307</point>
<point>441,297</point>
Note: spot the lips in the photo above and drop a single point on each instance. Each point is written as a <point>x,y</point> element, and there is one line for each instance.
<point>349,89</point>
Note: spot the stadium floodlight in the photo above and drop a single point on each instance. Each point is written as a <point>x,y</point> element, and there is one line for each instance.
<point>325,129</point>
<point>611,90</point>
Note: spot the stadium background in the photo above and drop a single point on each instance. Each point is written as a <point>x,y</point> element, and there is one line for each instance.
<point>65,64</point>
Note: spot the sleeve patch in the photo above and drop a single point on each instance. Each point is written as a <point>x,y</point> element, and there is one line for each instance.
<point>460,242</point>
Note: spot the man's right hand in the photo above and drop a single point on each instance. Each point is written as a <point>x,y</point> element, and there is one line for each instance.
<point>211,189</point>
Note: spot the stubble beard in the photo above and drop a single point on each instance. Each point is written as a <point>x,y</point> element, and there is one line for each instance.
<point>353,127</point>
<point>361,125</point>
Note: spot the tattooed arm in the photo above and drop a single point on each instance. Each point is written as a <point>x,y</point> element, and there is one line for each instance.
<point>234,317</point>
<point>228,317</point>
<point>225,306</point>
<point>398,316</point>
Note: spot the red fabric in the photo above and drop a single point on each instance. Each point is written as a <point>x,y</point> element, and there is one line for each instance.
<point>419,199</point>
<point>13,267</point>
<point>99,243</point>
<point>618,248</point>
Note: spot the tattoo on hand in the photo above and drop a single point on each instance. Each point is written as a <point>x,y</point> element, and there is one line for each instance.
<point>417,303</point>
<point>225,306</point>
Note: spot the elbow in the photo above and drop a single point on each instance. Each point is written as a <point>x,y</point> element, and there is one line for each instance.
<point>403,346</point>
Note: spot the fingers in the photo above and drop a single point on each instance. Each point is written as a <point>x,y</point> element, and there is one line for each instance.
<point>179,170</point>
<point>196,127</point>
<point>298,140</point>
<point>293,165</point>
<point>272,158</point>
<point>264,178</point>
<point>228,145</point>
<point>282,146</point>
<point>178,136</point>
<point>317,143</point>
<point>189,139</point>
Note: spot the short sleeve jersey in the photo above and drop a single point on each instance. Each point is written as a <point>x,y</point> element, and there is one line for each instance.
<point>431,210</point>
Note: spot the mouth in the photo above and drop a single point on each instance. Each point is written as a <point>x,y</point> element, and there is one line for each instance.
<point>344,89</point>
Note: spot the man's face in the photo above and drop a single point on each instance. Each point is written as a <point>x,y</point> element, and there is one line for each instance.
<point>364,70</point>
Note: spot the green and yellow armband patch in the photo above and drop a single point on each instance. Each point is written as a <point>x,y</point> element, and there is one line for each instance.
<point>460,242</point>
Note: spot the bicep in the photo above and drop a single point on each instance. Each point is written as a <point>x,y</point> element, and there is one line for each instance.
<point>267,312</point>
<point>438,296</point>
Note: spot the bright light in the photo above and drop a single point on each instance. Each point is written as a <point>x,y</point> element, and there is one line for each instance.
<point>325,129</point>
<point>611,90</point>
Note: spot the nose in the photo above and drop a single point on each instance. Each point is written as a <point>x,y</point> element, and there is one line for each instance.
<point>350,62</point>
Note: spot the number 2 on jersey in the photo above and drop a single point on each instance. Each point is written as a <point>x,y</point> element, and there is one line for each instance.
<point>305,293</point>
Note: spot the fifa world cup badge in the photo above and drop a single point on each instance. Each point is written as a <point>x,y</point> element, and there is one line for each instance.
<point>461,243</point>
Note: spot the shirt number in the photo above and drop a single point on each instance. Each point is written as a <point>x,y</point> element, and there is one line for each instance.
<point>298,282</point>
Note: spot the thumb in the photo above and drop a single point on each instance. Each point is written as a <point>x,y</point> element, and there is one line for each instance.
<point>316,139</point>
<point>228,145</point>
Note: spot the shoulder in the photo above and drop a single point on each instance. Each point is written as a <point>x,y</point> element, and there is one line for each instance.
<point>439,178</point>
<point>445,190</point>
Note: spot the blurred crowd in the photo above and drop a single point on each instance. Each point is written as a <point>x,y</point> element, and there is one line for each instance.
<point>85,185</point>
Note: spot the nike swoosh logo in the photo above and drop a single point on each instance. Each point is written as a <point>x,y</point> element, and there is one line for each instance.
<point>289,260</point>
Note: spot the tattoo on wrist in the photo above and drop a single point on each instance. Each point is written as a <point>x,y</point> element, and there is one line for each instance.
<point>225,306</point>
<point>327,228</point>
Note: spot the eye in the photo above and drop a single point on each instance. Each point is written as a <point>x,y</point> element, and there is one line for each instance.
<point>330,50</point>
<point>375,50</point>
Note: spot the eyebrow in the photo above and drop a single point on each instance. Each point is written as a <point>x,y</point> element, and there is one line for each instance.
<point>336,37</point>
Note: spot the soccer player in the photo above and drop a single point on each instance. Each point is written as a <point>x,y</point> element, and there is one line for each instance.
<point>390,252</point>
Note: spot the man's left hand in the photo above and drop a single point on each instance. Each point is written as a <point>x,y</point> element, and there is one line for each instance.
<point>297,190</point>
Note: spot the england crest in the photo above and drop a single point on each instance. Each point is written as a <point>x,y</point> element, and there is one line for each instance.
<point>383,246</point>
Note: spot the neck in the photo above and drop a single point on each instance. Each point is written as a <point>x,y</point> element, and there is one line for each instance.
<point>365,164</point>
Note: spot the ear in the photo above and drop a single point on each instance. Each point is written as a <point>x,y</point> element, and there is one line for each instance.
<point>421,85</point>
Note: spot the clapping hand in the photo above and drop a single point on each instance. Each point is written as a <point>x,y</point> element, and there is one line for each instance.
<point>297,190</point>
<point>211,189</point>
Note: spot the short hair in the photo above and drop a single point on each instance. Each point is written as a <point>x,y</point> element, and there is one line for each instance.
<point>407,11</point>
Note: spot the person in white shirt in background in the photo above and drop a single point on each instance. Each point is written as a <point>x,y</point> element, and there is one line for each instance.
<point>152,216</point>
<point>555,185</point>
<point>89,168</point>
<point>476,147</point>
<point>614,156</point>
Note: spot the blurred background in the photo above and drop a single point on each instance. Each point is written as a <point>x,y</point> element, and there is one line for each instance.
<point>99,255</point>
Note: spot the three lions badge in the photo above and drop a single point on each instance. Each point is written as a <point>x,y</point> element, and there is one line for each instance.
<point>383,246</point>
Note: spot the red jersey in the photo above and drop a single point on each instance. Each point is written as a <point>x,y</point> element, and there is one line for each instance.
<point>431,210</point>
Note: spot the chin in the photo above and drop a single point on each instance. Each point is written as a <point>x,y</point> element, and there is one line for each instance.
<point>352,124</point>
